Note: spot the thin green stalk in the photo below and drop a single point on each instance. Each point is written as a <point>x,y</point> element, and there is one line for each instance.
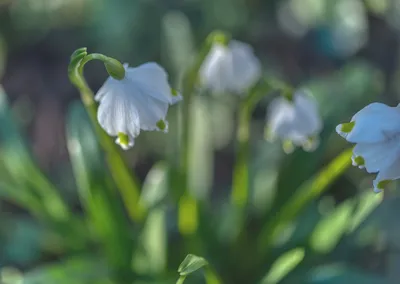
<point>240,182</point>
<point>181,280</point>
<point>187,216</point>
<point>126,182</point>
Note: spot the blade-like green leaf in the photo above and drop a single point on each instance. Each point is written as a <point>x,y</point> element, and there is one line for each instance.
<point>99,199</point>
<point>367,203</point>
<point>308,191</point>
<point>332,227</point>
<point>18,167</point>
<point>153,239</point>
<point>190,264</point>
<point>83,270</point>
<point>283,265</point>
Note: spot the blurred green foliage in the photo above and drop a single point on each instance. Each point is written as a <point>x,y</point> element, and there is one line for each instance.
<point>307,221</point>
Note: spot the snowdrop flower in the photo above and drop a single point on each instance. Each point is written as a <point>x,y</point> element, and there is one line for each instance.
<point>134,99</point>
<point>376,132</point>
<point>296,121</point>
<point>233,68</point>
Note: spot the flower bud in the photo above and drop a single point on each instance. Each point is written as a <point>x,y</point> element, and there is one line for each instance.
<point>114,68</point>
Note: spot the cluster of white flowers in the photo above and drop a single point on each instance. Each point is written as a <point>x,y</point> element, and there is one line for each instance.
<point>138,99</point>
<point>376,132</point>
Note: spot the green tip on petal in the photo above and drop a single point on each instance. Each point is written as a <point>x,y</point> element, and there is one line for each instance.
<point>114,68</point>
<point>161,124</point>
<point>311,144</point>
<point>359,161</point>
<point>383,184</point>
<point>288,147</point>
<point>123,139</point>
<point>219,37</point>
<point>347,127</point>
<point>288,94</point>
<point>174,92</point>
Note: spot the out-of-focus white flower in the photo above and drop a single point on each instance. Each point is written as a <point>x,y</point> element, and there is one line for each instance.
<point>232,68</point>
<point>376,132</point>
<point>296,121</point>
<point>139,100</point>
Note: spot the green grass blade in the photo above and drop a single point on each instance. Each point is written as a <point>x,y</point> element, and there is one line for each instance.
<point>99,199</point>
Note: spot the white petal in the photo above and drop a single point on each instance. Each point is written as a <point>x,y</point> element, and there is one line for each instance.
<point>378,156</point>
<point>307,113</point>
<point>150,110</point>
<point>152,79</point>
<point>391,172</point>
<point>245,69</point>
<point>117,113</point>
<point>107,87</point>
<point>374,123</point>
<point>280,117</point>
<point>215,70</point>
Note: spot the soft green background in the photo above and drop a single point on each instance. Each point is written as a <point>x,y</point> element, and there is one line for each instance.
<point>345,51</point>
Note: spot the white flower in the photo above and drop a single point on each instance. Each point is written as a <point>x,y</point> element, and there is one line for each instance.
<point>295,121</point>
<point>138,101</point>
<point>376,131</point>
<point>232,68</point>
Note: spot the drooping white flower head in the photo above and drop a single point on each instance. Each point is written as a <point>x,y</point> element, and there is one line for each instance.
<point>295,121</point>
<point>139,101</point>
<point>376,132</point>
<point>232,68</point>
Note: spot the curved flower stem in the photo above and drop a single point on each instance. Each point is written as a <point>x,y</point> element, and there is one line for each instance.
<point>240,182</point>
<point>187,216</point>
<point>125,181</point>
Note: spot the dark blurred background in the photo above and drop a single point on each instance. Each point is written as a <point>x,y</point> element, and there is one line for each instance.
<point>345,51</point>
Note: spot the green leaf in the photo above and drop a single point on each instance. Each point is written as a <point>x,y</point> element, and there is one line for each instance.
<point>332,227</point>
<point>79,270</point>
<point>367,203</point>
<point>178,39</point>
<point>153,238</point>
<point>284,265</point>
<point>19,171</point>
<point>96,191</point>
<point>307,192</point>
<point>190,264</point>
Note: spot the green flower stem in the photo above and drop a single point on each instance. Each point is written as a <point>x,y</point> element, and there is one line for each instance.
<point>181,280</point>
<point>240,182</point>
<point>308,191</point>
<point>187,220</point>
<point>125,181</point>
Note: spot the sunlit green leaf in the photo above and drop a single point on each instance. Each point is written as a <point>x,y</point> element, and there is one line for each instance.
<point>332,227</point>
<point>190,264</point>
<point>153,238</point>
<point>283,265</point>
<point>308,191</point>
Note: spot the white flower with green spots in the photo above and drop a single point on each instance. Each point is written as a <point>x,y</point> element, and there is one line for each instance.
<point>230,68</point>
<point>376,132</point>
<point>137,101</point>
<point>295,121</point>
